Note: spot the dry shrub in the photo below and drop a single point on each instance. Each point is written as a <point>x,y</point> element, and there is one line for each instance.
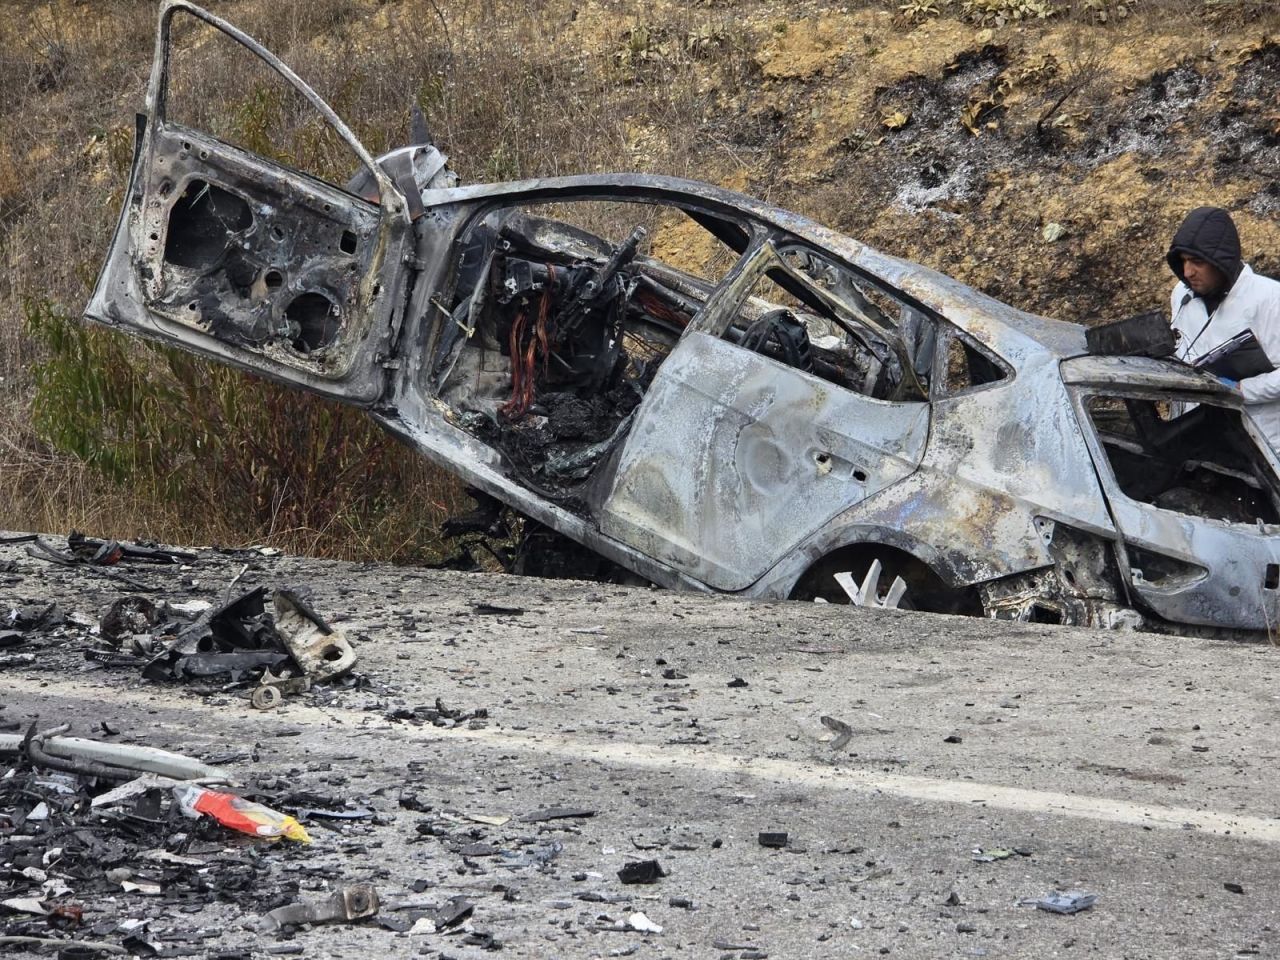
<point>251,459</point>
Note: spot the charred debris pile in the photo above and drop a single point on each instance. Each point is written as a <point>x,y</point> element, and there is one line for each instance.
<point>270,643</point>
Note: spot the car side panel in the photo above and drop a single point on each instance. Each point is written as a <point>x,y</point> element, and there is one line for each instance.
<point>998,458</point>
<point>734,459</point>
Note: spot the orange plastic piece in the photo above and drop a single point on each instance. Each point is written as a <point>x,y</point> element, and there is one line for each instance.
<point>238,813</point>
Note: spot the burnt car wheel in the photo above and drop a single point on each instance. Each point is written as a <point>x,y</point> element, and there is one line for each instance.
<point>873,575</point>
<point>889,592</point>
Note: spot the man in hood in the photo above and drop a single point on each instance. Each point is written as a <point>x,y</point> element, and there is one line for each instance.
<point>1219,296</point>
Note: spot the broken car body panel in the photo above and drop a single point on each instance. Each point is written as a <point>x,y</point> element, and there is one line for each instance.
<point>731,460</point>
<point>245,261</point>
<point>1223,567</point>
<point>740,429</point>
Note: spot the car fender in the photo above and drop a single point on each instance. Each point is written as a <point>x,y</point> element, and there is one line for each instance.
<point>966,535</point>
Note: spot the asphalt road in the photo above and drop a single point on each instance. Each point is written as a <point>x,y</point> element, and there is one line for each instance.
<point>1138,768</point>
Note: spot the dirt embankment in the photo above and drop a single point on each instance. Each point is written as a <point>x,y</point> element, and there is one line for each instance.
<point>1045,161</point>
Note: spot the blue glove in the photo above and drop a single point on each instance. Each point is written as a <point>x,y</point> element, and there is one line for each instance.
<point>1229,383</point>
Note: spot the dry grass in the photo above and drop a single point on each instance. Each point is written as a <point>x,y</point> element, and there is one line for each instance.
<point>50,492</point>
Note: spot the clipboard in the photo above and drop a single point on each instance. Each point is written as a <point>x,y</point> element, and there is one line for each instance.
<point>1238,358</point>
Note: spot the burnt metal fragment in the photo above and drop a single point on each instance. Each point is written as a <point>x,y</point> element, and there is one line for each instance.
<point>128,616</point>
<point>642,871</point>
<point>237,664</point>
<point>557,813</point>
<point>843,732</point>
<point>1072,901</point>
<point>320,651</point>
<point>493,609</point>
<point>453,912</point>
<point>356,901</point>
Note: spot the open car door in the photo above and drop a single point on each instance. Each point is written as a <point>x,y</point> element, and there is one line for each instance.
<point>231,256</point>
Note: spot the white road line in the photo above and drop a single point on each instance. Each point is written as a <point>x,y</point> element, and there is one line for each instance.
<point>672,756</point>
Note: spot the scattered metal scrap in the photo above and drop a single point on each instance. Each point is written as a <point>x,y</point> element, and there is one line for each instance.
<point>1069,902</point>
<point>72,841</point>
<point>278,652</point>
<point>104,553</point>
<point>843,732</point>
<point>357,901</point>
<point>271,641</point>
<point>320,651</point>
<point>95,555</point>
<point>110,761</point>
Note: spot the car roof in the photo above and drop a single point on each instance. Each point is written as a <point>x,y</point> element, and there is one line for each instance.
<point>1013,333</point>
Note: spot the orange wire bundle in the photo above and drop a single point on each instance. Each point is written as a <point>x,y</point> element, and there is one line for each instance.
<point>524,356</point>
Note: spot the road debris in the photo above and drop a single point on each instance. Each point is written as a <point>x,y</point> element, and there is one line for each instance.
<point>320,651</point>
<point>496,610</point>
<point>440,715</point>
<point>992,854</point>
<point>557,813</point>
<point>843,732</point>
<point>1069,902</point>
<point>642,871</point>
<point>116,761</point>
<point>357,901</point>
<point>94,555</point>
<point>642,924</point>
<point>236,813</point>
<point>81,851</point>
<point>131,619</point>
<point>277,652</point>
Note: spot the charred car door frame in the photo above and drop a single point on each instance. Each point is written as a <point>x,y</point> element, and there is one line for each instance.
<point>735,457</point>
<point>1185,568</point>
<point>250,262</point>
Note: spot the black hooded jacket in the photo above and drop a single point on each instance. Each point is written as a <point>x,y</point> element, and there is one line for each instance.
<point>1210,234</point>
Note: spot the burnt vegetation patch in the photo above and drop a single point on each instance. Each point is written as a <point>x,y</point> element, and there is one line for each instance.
<point>926,157</point>
<point>1247,128</point>
<point>1144,122</point>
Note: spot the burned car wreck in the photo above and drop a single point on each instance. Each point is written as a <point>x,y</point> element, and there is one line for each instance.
<point>711,392</point>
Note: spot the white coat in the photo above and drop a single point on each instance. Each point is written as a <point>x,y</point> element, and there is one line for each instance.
<point>1252,303</point>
